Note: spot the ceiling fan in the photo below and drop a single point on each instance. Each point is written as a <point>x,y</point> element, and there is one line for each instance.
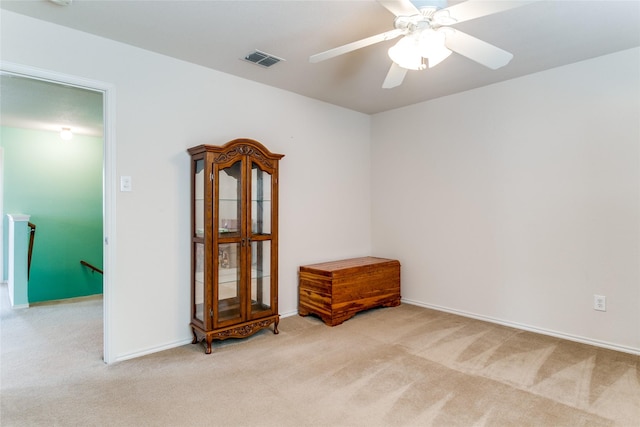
<point>427,37</point>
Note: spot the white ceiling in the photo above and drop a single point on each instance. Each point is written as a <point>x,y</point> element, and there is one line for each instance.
<point>218,34</point>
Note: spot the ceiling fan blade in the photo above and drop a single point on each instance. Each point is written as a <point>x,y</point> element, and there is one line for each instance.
<point>400,7</point>
<point>472,9</point>
<point>395,76</point>
<point>331,53</point>
<point>476,49</point>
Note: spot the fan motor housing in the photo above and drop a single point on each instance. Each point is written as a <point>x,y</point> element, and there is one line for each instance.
<point>412,23</point>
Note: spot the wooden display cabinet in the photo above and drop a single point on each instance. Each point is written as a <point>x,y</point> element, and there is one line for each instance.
<point>234,240</point>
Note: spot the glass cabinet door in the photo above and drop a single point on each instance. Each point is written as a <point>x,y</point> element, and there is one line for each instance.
<point>260,255</point>
<point>260,200</point>
<point>229,244</point>
<point>198,241</point>
<point>230,200</point>
<point>260,276</point>
<point>228,282</point>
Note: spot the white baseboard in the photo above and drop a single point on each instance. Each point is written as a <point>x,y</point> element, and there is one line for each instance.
<point>152,350</point>
<point>289,314</point>
<point>68,300</point>
<point>516,325</point>
<point>569,337</point>
<point>175,344</point>
<point>19,306</point>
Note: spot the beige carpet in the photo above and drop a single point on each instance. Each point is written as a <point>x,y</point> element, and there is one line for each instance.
<point>401,366</point>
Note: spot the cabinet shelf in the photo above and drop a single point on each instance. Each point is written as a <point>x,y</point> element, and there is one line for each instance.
<point>252,200</point>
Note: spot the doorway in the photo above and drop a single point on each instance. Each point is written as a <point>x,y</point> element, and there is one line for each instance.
<point>38,77</point>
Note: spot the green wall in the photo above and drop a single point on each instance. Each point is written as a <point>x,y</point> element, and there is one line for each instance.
<point>58,183</point>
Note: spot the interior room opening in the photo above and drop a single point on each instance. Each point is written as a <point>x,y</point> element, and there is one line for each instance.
<point>58,180</point>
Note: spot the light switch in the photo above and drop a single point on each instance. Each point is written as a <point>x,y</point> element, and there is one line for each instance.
<point>125,183</point>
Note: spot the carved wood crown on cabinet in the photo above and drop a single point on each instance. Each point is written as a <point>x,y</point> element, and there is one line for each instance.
<point>234,240</point>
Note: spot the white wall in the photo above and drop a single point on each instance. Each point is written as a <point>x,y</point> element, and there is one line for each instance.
<point>164,106</point>
<point>519,201</point>
<point>515,202</point>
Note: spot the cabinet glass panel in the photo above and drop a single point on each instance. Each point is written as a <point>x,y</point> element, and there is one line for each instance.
<point>228,281</point>
<point>229,213</point>
<point>260,200</point>
<point>198,187</point>
<point>260,275</point>
<point>199,282</point>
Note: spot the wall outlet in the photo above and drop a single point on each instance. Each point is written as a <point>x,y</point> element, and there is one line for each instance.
<point>600,302</point>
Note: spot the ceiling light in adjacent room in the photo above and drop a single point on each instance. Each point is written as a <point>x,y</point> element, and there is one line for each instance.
<point>66,134</point>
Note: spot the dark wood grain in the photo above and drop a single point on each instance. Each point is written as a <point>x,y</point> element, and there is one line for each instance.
<point>335,291</point>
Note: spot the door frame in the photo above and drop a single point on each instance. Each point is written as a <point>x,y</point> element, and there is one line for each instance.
<point>108,91</point>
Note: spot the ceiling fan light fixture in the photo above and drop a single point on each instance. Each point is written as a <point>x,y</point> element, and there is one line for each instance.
<point>432,47</point>
<point>438,56</point>
<point>406,53</point>
<point>427,38</point>
<point>430,41</point>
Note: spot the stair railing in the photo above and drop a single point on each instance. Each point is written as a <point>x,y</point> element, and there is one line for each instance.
<point>91,267</point>
<point>32,235</point>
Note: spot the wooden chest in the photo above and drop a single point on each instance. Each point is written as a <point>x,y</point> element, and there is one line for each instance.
<point>335,291</point>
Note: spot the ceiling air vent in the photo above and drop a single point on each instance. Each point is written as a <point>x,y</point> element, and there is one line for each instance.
<point>263,59</point>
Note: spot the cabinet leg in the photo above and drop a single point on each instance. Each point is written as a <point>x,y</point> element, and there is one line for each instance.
<point>195,337</point>
<point>208,348</point>
<point>275,326</point>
